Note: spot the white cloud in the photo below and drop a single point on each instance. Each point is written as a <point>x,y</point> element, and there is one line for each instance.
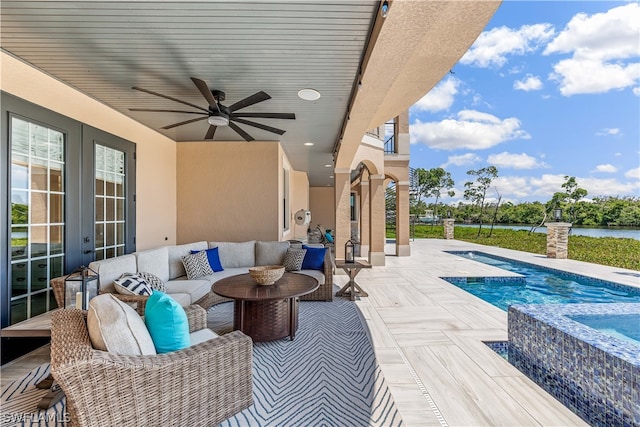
<point>472,130</point>
<point>618,154</point>
<point>633,174</point>
<point>636,91</point>
<point>439,98</point>
<point>514,186</point>
<point>461,160</point>
<point>606,168</point>
<point>600,44</point>
<point>492,47</point>
<point>609,131</point>
<point>528,83</point>
<point>508,160</point>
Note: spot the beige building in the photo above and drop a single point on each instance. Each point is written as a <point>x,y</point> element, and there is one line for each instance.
<point>133,182</point>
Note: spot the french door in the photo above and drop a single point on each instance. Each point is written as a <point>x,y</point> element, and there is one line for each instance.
<point>70,201</point>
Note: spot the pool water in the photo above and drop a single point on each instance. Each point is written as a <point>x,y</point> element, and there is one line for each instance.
<point>622,326</point>
<point>539,285</point>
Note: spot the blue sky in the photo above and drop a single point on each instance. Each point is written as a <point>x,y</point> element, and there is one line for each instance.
<point>550,88</point>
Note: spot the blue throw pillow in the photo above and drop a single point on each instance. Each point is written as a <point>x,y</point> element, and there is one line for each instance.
<point>214,258</point>
<point>167,323</point>
<point>313,259</point>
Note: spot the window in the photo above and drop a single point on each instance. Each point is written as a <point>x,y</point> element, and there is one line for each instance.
<point>354,210</point>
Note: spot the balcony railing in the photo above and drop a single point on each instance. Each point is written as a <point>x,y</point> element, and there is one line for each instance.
<point>390,145</point>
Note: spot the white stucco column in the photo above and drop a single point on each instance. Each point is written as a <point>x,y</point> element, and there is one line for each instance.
<point>558,239</point>
<point>402,219</point>
<point>342,180</point>
<point>365,212</point>
<point>377,219</point>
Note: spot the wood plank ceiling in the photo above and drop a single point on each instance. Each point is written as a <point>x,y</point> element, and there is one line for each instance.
<point>104,48</point>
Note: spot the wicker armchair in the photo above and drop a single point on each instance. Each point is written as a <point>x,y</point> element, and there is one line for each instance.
<point>198,386</point>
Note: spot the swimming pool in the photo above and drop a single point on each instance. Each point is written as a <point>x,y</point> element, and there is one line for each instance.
<point>622,326</point>
<point>539,285</point>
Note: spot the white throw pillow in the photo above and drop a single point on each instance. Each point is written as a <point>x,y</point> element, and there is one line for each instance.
<point>132,284</point>
<point>116,327</point>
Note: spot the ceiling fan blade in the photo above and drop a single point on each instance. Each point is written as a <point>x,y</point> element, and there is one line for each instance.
<point>206,92</point>
<point>250,100</point>
<point>267,115</point>
<point>166,111</point>
<point>260,126</point>
<point>170,98</point>
<point>186,122</point>
<point>211,132</point>
<point>240,132</point>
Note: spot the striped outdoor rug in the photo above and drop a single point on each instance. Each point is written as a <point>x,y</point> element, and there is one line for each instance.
<point>19,402</point>
<point>327,376</point>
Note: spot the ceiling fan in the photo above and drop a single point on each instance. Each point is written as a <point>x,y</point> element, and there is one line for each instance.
<point>220,115</point>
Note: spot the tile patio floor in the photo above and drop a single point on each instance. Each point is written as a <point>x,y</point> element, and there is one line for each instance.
<point>428,337</point>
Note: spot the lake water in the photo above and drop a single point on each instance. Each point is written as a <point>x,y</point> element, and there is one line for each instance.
<point>630,233</point>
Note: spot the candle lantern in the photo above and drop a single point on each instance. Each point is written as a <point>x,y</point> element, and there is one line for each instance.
<point>557,214</point>
<point>348,251</point>
<point>80,286</point>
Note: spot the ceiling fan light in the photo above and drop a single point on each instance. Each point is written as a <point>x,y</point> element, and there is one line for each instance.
<point>218,119</point>
<point>309,94</point>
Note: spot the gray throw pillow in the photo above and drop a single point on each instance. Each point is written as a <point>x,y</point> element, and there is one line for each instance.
<point>154,281</point>
<point>196,265</point>
<point>293,259</point>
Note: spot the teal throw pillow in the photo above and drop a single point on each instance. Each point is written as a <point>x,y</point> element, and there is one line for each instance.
<point>313,259</point>
<point>214,258</point>
<point>167,323</point>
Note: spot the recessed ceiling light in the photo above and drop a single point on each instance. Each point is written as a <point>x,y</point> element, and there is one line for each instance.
<point>308,144</point>
<point>309,94</point>
<point>331,176</point>
<point>327,166</point>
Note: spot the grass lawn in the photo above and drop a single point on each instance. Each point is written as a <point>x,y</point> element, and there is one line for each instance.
<point>615,252</point>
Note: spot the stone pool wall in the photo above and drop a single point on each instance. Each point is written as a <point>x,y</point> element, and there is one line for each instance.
<point>595,375</point>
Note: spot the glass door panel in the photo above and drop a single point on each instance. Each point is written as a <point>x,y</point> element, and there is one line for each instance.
<point>37,222</point>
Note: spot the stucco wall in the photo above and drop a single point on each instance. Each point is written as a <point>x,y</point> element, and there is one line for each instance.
<point>300,200</point>
<point>322,207</point>
<point>226,191</point>
<point>156,154</point>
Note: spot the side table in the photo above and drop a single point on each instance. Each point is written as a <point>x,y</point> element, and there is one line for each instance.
<point>352,269</point>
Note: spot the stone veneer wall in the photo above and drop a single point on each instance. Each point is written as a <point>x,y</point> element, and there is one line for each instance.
<point>593,374</point>
<point>558,239</point>
<point>448,228</point>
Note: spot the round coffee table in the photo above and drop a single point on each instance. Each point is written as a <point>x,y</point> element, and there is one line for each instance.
<point>266,313</point>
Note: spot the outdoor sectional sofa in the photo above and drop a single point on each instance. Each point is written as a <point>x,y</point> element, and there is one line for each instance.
<point>235,258</point>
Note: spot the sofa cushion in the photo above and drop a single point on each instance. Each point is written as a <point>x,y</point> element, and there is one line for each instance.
<point>316,274</point>
<point>196,265</point>
<point>201,336</point>
<point>117,328</point>
<point>293,259</point>
<point>214,258</point>
<point>175,253</point>
<point>271,253</point>
<point>234,255</point>
<point>314,258</point>
<point>167,323</point>
<point>132,284</point>
<point>111,269</point>
<point>183,299</point>
<point>196,289</point>
<point>154,261</point>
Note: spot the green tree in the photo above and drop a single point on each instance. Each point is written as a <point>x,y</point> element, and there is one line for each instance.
<point>571,195</point>
<point>476,191</point>
<point>432,183</point>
